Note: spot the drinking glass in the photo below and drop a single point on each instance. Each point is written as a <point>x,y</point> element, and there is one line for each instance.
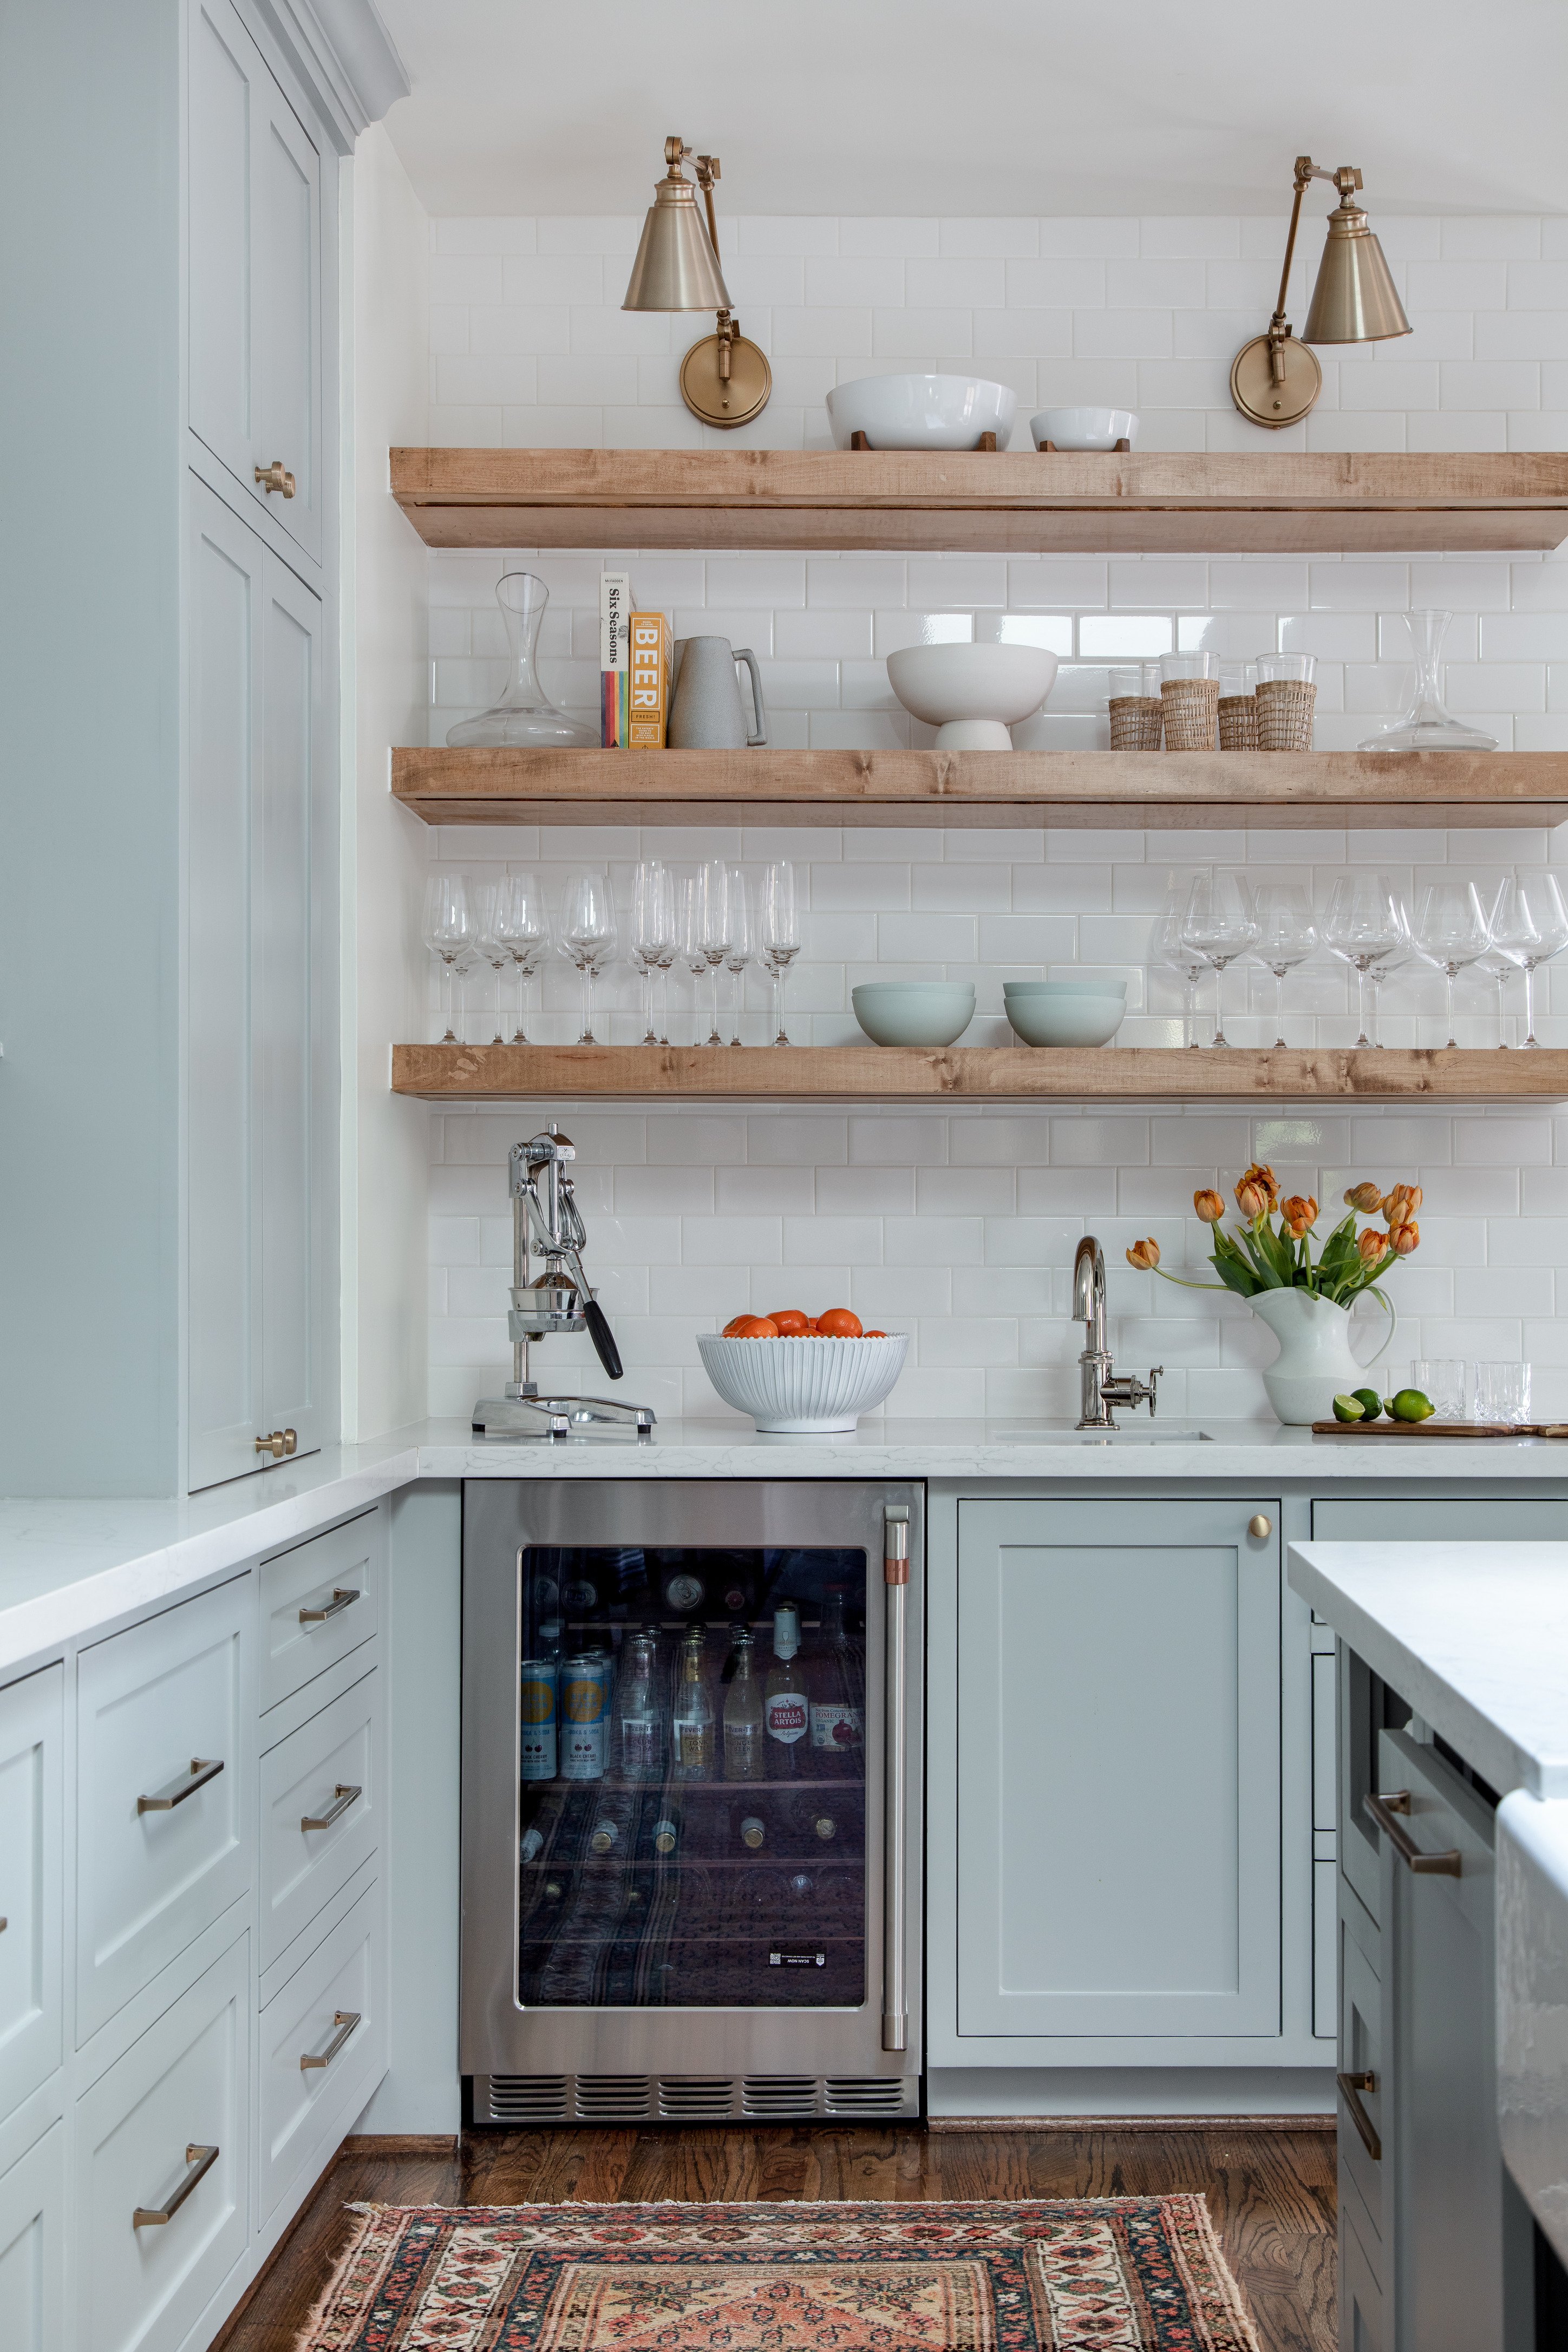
<point>1450,932</point>
<point>1166,953</point>
<point>691,950</point>
<point>521,922</point>
<point>1502,1392</point>
<point>1297,668</point>
<point>652,931</point>
<point>448,932</point>
<point>1530,926</point>
<point>588,936</point>
<point>1364,926</point>
<point>1441,1379</point>
<point>1495,966</point>
<point>1287,936</point>
<point>1378,971</point>
<point>714,927</point>
<point>1218,926</point>
<point>778,934</point>
<point>488,947</point>
<point>739,954</point>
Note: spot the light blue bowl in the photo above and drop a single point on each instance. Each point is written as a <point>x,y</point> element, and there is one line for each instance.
<point>1049,988</point>
<point>1066,1020</point>
<point>913,1011</point>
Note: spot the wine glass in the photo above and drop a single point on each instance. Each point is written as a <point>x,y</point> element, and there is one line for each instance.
<point>448,932</point>
<point>1495,966</point>
<point>713,926</point>
<point>653,930</point>
<point>1287,936</point>
<point>1450,931</point>
<point>1379,969</point>
<point>1166,953</point>
<point>588,936</point>
<point>778,934</point>
<point>739,954</point>
<point>1530,926</point>
<point>489,946</point>
<point>1366,925</point>
<point>522,923</point>
<point>1218,926</point>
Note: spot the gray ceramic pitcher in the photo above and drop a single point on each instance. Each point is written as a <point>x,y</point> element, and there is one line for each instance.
<point>705,713</point>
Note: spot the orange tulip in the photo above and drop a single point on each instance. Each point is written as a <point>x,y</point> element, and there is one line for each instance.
<point>1403,1201</point>
<point>1144,1255</point>
<point>1404,1237</point>
<point>1252,1202</point>
<point>1298,1215</point>
<point>1262,1176</point>
<point>1373,1245</point>
<point>1209,1206</point>
<point>1367,1198</point>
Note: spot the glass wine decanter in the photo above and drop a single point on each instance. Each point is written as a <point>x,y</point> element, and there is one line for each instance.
<point>524,717</point>
<point>1428,725</point>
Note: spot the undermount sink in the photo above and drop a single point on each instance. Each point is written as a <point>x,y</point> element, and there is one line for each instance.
<point>1061,1433</point>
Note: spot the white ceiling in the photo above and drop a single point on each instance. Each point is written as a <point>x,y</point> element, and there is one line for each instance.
<point>1022,106</point>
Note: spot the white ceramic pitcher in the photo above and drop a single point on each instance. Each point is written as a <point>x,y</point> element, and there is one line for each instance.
<point>1314,1364</point>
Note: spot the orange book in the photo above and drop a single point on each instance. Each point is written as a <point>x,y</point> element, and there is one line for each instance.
<point>649,681</point>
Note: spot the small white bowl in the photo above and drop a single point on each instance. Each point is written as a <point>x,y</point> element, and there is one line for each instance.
<point>1085,428</point>
<point>802,1388</point>
<point>913,1011</point>
<point>1066,1020</point>
<point>922,412</point>
<point>972,694</point>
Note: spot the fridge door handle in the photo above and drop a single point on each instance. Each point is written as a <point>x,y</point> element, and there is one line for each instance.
<point>895,1777</point>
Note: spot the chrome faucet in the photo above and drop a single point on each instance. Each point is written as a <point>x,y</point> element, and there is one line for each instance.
<point>1101,1388</point>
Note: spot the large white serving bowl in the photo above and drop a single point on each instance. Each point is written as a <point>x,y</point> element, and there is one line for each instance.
<point>922,412</point>
<point>802,1388</point>
<point>1085,428</point>
<point>972,694</point>
<point>1066,1020</point>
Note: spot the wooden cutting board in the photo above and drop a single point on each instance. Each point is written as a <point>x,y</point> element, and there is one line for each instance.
<point>1440,1429</point>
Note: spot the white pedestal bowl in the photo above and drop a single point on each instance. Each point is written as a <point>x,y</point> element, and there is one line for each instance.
<point>972,694</point>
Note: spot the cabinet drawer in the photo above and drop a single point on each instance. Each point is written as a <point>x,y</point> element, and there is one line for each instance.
<point>1363,2052</point>
<point>319,1600</point>
<point>305,1779</point>
<point>33,2248</point>
<point>1361,2325</point>
<point>31,1730</point>
<point>185,2086</point>
<point>158,1857</point>
<point>305,2108</point>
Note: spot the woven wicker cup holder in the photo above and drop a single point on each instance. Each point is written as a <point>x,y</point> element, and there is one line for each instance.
<point>1189,705</point>
<point>1136,722</point>
<point>1285,707</point>
<point>1238,723</point>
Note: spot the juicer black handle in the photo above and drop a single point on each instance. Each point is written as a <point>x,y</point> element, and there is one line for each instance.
<point>604,1338</point>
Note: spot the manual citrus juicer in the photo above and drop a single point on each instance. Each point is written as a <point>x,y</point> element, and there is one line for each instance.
<point>545,1217</point>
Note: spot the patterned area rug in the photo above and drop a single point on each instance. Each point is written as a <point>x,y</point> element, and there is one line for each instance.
<point>1091,2274</point>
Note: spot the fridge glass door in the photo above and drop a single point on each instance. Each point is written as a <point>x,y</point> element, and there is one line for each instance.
<point>692,1815</point>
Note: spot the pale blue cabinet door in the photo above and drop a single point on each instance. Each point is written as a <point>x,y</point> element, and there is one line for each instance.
<point>1119,1768</point>
<point>286,316</point>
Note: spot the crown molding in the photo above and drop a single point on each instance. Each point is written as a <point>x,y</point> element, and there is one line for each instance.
<point>345,54</point>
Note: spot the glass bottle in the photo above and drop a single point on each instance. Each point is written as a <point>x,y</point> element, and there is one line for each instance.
<point>787,1707</point>
<point>838,1724</point>
<point>744,1755</point>
<point>693,1724</point>
<point>524,716</point>
<point>642,1723</point>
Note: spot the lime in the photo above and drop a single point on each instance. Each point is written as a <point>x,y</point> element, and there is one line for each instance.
<point>1410,1405</point>
<point>1349,1408</point>
<point>1370,1402</point>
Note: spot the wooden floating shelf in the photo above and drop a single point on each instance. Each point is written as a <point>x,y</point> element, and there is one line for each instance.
<point>1297,789</point>
<point>1009,502</point>
<point>1000,1073</point>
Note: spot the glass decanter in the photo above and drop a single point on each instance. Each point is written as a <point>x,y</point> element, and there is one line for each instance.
<point>524,718</point>
<point>1426,725</point>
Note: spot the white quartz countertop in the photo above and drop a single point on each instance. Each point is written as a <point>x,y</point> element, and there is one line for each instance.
<point>1473,1635</point>
<point>67,1566</point>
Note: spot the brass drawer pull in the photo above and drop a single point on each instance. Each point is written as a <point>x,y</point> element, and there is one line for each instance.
<point>276,477</point>
<point>3,1925</point>
<point>201,2161</point>
<point>345,1797</point>
<point>203,1769</point>
<point>278,1443</point>
<point>338,1603</point>
<point>1383,1809</point>
<point>346,2019</point>
<point>1353,2085</point>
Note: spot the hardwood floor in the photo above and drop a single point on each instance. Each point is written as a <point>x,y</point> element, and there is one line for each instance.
<point>1271,2194</point>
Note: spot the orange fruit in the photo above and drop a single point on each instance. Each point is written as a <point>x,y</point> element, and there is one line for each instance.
<point>788,1321</point>
<point>752,1326</point>
<point>841,1323</point>
<point>873,1334</point>
<point>732,1328</point>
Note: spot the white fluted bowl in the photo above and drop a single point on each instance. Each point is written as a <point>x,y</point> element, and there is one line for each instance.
<point>802,1388</point>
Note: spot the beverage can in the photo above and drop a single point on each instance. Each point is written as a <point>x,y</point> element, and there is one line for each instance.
<point>537,1725</point>
<point>584,1741</point>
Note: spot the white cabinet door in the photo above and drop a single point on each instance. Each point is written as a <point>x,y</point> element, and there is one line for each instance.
<point>31,1831</point>
<point>1119,1768</point>
<point>32,2248</point>
<point>255,273</point>
<point>262,1082</point>
<point>142,2136</point>
<point>323,2049</point>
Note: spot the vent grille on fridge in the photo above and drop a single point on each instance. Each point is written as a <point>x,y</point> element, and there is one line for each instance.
<point>695,2098</point>
<point>865,2095</point>
<point>528,2098</point>
<point>606,2099</point>
<point>614,2098</point>
<point>778,2094</point>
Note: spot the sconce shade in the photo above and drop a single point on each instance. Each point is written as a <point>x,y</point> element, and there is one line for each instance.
<point>1354,300</point>
<point>676,268</point>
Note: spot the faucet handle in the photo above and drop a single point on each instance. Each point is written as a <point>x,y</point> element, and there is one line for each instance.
<point>1155,1376</point>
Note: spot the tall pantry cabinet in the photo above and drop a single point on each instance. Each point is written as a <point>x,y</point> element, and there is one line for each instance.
<point>168,975</point>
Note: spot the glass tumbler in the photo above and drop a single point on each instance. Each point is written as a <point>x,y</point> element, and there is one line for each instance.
<point>1135,712</point>
<point>1189,697</point>
<point>1238,707</point>
<point>1287,697</point>
<point>1441,1379</point>
<point>1502,1392</point>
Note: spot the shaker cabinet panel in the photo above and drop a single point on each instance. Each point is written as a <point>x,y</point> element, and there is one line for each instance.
<point>32,2247</point>
<point>31,1893</point>
<point>224,64</point>
<point>286,281</point>
<point>1118,1735</point>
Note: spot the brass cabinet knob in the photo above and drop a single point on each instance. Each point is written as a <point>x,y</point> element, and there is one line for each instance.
<point>278,1443</point>
<point>276,477</point>
<point>1260,1524</point>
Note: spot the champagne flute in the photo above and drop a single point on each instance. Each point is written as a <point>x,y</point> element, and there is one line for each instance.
<point>1450,931</point>
<point>1166,953</point>
<point>588,936</point>
<point>739,954</point>
<point>1287,936</point>
<point>448,932</point>
<point>692,953</point>
<point>521,922</point>
<point>1364,926</point>
<point>713,906</point>
<point>778,934</point>
<point>653,930</point>
<point>1218,926</point>
<point>1530,926</point>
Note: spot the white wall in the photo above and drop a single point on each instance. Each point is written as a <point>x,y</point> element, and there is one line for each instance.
<point>384,630</point>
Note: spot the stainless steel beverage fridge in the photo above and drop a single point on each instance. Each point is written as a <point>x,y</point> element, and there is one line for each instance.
<point>691,1778</point>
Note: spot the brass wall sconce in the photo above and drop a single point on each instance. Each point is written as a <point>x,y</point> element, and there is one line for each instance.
<point>724,379</point>
<point>1275,379</point>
